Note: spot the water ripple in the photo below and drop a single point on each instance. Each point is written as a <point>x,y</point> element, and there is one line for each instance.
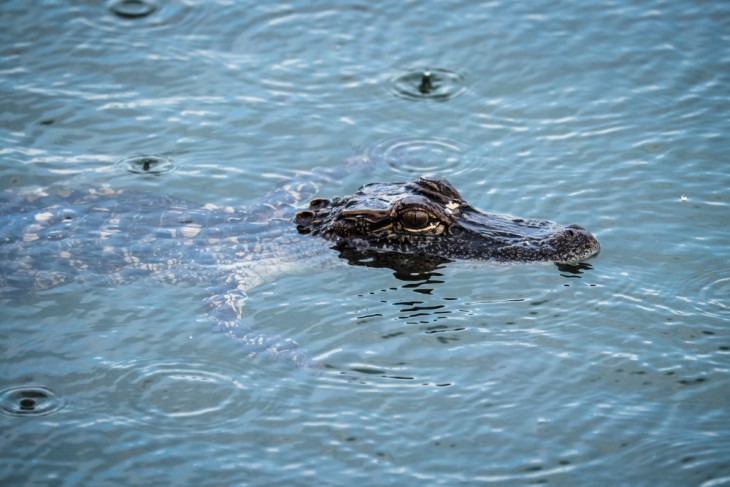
<point>708,292</point>
<point>428,84</point>
<point>147,164</point>
<point>24,401</point>
<point>132,9</point>
<point>324,70</point>
<point>714,294</point>
<point>130,15</point>
<point>420,155</point>
<point>177,396</point>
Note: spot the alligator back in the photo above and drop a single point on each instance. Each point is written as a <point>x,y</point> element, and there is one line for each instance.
<point>53,236</point>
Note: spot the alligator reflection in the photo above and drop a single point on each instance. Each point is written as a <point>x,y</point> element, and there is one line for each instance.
<point>406,267</point>
<point>573,270</point>
<point>420,274</point>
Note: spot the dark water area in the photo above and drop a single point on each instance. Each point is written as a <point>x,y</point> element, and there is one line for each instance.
<point>612,115</point>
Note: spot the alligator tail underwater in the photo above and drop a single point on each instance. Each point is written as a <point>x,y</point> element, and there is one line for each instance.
<point>57,235</point>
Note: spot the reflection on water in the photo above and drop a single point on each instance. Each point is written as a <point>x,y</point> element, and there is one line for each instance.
<point>574,270</point>
<point>406,267</point>
<point>424,310</point>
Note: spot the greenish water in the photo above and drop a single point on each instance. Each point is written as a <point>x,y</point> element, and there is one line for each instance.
<point>612,115</point>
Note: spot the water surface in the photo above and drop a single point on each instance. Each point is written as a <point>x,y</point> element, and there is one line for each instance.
<point>612,115</point>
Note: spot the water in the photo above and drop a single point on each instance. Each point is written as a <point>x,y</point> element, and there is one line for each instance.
<point>612,115</point>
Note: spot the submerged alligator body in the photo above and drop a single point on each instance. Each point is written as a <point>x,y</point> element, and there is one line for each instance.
<point>54,236</point>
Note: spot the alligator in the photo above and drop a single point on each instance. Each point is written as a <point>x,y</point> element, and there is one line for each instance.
<point>429,217</point>
<point>56,235</point>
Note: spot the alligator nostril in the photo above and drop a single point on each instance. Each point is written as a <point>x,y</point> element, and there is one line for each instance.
<point>304,216</point>
<point>318,203</point>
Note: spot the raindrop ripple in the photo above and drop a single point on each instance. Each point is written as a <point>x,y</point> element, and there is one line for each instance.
<point>428,84</point>
<point>147,164</point>
<point>25,401</point>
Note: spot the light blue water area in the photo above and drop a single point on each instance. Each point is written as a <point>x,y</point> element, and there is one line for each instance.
<point>613,115</point>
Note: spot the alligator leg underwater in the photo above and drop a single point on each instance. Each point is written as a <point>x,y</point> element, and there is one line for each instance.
<point>225,309</point>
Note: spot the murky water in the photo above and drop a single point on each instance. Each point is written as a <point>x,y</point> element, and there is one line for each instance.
<point>613,115</point>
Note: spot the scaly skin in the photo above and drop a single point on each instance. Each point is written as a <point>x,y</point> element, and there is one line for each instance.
<point>429,217</point>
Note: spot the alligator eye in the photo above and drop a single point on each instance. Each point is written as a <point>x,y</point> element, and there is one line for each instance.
<point>416,219</point>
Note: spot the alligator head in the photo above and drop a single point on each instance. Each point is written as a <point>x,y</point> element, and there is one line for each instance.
<point>429,217</point>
